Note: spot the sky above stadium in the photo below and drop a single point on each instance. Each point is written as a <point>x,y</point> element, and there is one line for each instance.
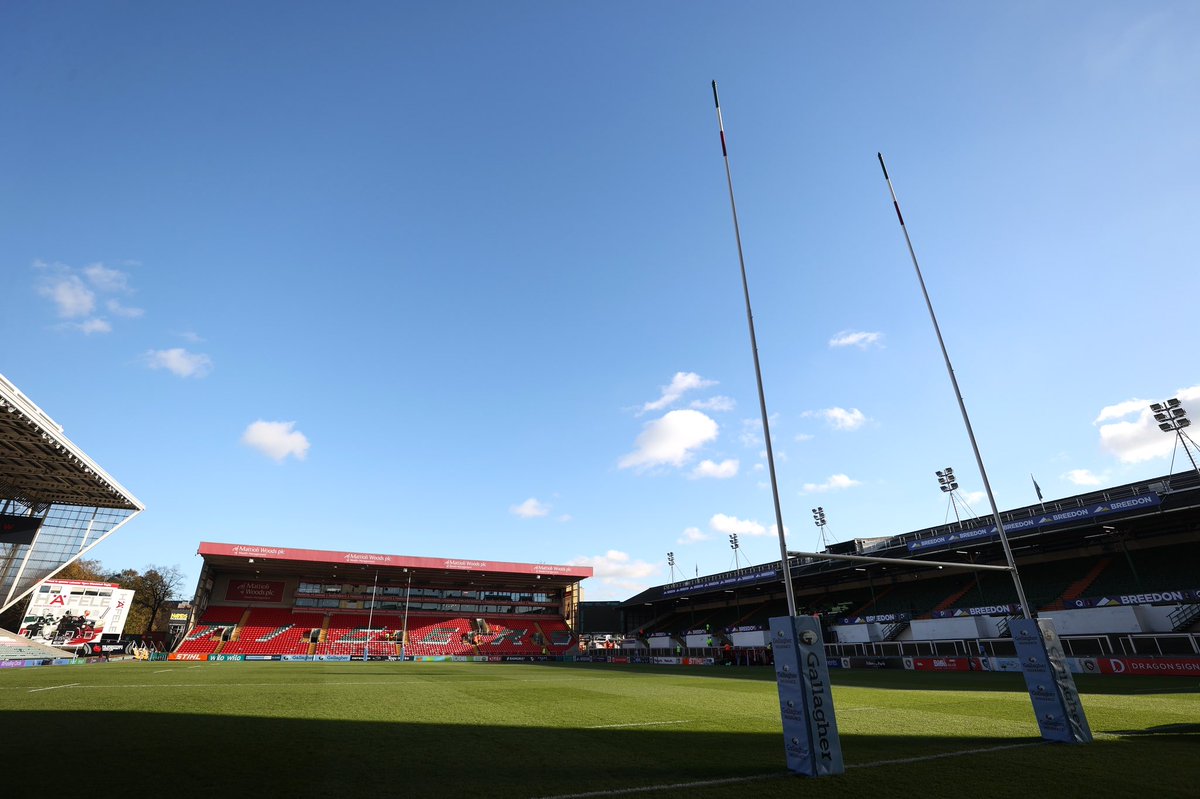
<point>460,280</point>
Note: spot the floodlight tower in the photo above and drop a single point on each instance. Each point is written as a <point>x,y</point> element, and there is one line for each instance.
<point>733,544</point>
<point>949,485</point>
<point>822,523</point>
<point>1172,418</point>
<point>671,563</point>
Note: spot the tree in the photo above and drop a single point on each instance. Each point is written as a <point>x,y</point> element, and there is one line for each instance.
<point>152,589</point>
<point>91,571</point>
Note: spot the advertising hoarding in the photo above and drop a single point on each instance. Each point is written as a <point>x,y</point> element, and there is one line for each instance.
<point>71,613</point>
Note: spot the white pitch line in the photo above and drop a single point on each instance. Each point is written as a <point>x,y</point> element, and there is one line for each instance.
<point>776,775</point>
<point>52,687</point>
<point>672,787</point>
<point>923,758</point>
<point>636,724</point>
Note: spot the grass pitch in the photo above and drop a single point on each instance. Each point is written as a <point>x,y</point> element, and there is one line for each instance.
<point>556,730</point>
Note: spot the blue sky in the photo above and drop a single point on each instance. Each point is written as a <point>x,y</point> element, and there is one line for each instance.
<point>460,279</point>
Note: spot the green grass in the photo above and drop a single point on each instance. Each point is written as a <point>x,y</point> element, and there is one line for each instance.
<point>536,730</point>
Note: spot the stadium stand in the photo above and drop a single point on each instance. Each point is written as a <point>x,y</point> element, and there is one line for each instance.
<point>17,647</point>
<point>62,502</point>
<point>269,631</point>
<point>272,602</point>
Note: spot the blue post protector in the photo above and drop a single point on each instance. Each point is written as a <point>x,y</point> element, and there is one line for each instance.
<point>810,730</point>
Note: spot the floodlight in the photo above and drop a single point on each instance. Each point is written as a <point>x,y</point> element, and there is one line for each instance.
<point>1172,418</point>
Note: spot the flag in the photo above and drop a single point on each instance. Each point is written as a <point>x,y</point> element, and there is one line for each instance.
<point>1036,488</point>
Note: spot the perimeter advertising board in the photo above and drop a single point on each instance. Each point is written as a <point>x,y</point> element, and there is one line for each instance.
<point>71,613</point>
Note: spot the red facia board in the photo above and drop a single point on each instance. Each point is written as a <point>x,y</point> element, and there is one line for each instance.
<point>390,561</point>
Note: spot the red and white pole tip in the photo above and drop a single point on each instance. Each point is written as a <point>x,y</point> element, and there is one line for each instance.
<point>895,202</point>
<point>720,122</point>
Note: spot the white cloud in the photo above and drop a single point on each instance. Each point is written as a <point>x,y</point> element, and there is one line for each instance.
<point>717,404</point>
<point>840,418</point>
<point>802,437</point>
<point>836,482</point>
<point>179,362</point>
<point>693,534</point>
<point>721,471</point>
<point>74,293</point>
<point>126,311</point>
<point>1121,409</point>
<point>530,509</point>
<point>617,572</point>
<point>859,339</point>
<point>111,281</point>
<point>751,436</point>
<point>564,518</point>
<point>670,440</point>
<point>69,295</point>
<point>96,325</point>
<point>974,497</point>
<point>681,383</point>
<point>1138,440</point>
<point>731,524</point>
<point>276,440</point>
<point>1083,477</point>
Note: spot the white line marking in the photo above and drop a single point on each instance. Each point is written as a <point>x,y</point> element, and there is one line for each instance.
<point>162,671</point>
<point>923,758</point>
<point>672,787</point>
<point>776,775</point>
<point>636,724</point>
<point>52,687</point>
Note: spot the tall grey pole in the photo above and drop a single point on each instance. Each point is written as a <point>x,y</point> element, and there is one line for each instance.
<point>762,400</point>
<point>1012,564</point>
<point>370,617</point>
<point>404,626</point>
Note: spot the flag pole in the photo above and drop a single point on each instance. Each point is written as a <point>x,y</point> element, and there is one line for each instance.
<point>762,400</point>
<point>1012,565</point>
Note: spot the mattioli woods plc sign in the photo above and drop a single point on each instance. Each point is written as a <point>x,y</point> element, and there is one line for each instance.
<point>254,591</point>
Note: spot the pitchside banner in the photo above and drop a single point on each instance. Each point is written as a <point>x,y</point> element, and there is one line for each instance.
<point>810,731</point>
<point>1051,687</point>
